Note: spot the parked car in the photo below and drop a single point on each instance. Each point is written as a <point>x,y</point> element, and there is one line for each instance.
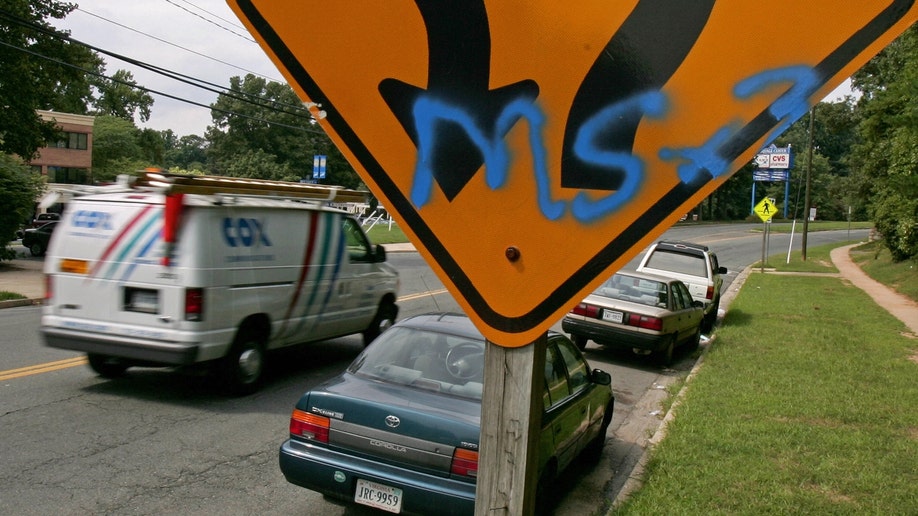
<point>696,265</point>
<point>44,218</point>
<point>37,222</point>
<point>638,311</point>
<point>36,239</point>
<point>399,429</point>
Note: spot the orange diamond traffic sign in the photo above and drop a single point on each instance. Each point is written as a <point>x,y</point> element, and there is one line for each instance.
<point>530,149</point>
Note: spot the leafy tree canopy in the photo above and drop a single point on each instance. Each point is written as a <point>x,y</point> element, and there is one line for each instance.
<point>33,76</point>
<point>886,159</point>
<point>18,190</point>
<point>257,118</point>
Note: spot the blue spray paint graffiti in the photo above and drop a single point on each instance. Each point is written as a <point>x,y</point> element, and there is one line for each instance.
<point>704,162</point>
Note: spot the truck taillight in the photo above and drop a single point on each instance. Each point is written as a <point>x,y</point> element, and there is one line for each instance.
<point>465,463</point>
<point>309,426</point>
<point>710,293</point>
<point>49,288</point>
<point>194,304</point>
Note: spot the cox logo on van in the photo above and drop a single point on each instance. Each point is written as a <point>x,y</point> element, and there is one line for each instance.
<point>92,220</point>
<point>242,232</point>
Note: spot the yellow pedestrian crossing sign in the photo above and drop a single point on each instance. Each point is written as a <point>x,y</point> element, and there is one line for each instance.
<point>765,209</point>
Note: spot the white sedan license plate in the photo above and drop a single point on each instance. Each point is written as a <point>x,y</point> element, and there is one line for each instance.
<point>379,496</point>
<point>612,316</point>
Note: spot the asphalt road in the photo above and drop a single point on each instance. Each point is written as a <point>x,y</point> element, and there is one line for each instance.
<point>167,441</point>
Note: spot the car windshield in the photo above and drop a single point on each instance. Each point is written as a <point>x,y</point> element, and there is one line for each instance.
<point>426,360</point>
<point>681,263</point>
<point>636,290</point>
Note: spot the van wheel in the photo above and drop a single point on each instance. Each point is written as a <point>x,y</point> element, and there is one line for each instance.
<point>243,367</point>
<point>36,249</point>
<point>382,321</point>
<point>106,366</point>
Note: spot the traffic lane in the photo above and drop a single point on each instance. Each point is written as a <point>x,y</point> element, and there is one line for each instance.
<point>100,418</point>
<point>158,440</point>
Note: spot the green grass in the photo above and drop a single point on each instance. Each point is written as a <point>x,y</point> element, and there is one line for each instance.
<point>800,407</point>
<point>877,263</point>
<point>9,296</point>
<point>383,234</point>
<point>819,225</point>
<point>817,260</point>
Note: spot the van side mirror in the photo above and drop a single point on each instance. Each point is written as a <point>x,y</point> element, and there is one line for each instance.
<point>379,253</point>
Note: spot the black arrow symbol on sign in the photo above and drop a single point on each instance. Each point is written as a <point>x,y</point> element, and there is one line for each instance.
<point>459,71</point>
<point>645,52</point>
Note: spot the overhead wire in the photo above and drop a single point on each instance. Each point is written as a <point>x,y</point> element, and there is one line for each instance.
<point>298,110</point>
<point>245,37</point>
<point>161,40</point>
<point>156,92</point>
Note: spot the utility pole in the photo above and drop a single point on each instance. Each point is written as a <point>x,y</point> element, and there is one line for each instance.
<point>809,171</point>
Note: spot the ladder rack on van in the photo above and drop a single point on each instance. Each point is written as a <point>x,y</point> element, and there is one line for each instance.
<point>216,185</point>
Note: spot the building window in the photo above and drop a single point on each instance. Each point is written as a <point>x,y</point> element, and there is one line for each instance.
<point>66,175</point>
<point>79,141</point>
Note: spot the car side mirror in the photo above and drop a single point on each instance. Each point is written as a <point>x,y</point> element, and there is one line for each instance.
<point>601,377</point>
<point>697,304</point>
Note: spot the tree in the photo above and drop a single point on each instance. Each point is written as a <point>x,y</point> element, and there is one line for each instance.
<point>886,160</point>
<point>19,188</point>
<point>119,97</point>
<point>188,152</point>
<point>258,115</point>
<point>33,76</point>
<point>115,148</point>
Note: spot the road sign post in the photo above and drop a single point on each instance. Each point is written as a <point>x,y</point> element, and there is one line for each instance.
<point>765,209</point>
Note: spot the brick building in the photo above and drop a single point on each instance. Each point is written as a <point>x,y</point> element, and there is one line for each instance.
<point>69,160</point>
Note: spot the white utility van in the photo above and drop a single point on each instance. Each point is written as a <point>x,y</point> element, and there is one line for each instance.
<point>178,270</point>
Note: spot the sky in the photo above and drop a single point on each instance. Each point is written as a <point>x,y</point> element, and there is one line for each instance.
<point>200,38</point>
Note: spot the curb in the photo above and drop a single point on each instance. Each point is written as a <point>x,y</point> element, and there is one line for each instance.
<point>20,302</point>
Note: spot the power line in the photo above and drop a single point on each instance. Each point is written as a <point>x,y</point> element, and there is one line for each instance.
<point>297,110</point>
<point>156,92</point>
<point>174,44</point>
<point>245,37</point>
<point>231,22</point>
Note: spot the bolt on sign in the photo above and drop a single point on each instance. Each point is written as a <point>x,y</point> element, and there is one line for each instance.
<point>530,149</point>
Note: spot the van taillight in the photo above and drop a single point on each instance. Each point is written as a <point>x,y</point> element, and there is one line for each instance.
<point>194,304</point>
<point>309,426</point>
<point>465,463</point>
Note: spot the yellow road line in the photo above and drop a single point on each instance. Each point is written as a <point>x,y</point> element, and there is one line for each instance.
<point>419,295</point>
<point>47,367</point>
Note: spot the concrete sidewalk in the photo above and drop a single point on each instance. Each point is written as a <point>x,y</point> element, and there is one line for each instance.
<point>25,277</point>
<point>898,305</point>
